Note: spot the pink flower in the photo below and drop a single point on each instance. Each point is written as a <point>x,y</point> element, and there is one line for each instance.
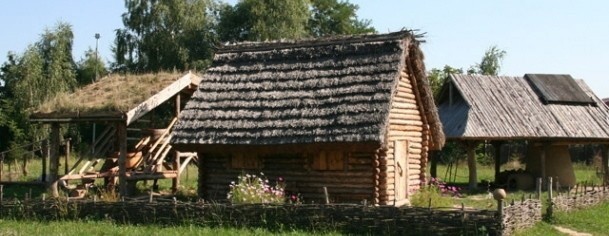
<point>280,179</point>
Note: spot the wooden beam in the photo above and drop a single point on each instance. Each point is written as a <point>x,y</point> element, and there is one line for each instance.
<point>605,162</point>
<point>542,158</point>
<point>159,98</point>
<point>54,160</point>
<point>471,165</point>
<point>122,158</point>
<point>497,147</point>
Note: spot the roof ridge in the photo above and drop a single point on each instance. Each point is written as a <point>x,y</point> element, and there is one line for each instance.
<point>310,42</point>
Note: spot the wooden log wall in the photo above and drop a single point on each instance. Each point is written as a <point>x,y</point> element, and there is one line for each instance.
<point>406,123</point>
<point>354,183</point>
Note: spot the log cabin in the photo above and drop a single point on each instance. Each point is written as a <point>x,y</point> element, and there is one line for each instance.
<point>548,111</point>
<point>352,114</point>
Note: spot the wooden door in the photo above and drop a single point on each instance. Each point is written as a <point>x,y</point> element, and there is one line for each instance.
<point>401,170</point>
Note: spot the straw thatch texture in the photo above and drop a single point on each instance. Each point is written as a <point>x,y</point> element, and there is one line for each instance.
<point>309,91</point>
<point>503,108</point>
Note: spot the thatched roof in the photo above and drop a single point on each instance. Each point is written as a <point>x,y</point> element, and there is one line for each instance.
<point>115,97</point>
<point>606,101</point>
<point>509,108</point>
<point>308,91</point>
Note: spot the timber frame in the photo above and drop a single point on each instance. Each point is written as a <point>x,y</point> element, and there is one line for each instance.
<point>477,109</point>
<point>150,165</point>
<point>350,116</point>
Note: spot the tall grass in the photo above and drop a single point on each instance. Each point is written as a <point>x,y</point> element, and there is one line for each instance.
<point>13,227</point>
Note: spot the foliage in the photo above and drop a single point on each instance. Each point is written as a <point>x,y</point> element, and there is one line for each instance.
<point>251,189</point>
<point>90,68</point>
<point>43,70</point>
<point>490,63</point>
<point>436,194</point>
<point>333,17</point>
<point>437,77</point>
<point>165,35</point>
<point>259,20</point>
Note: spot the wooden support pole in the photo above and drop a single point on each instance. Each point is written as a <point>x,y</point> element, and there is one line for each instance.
<point>175,182</point>
<point>497,147</point>
<point>45,158</point>
<point>544,151</point>
<point>605,162</point>
<point>471,165</point>
<point>54,160</point>
<point>433,168</point>
<point>65,161</point>
<point>121,128</point>
<point>1,165</point>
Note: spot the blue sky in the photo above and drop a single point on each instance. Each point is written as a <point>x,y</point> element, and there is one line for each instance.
<point>542,36</point>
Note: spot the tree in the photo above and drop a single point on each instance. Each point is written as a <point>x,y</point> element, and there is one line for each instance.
<point>43,70</point>
<point>331,17</point>
<point>490,63</point>
<point>89,67</point>
<point>165,35</point>
<point>437,77</point>
<point>259,20</point>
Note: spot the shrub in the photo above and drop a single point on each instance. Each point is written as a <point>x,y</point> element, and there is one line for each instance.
<point>437,192</point>
<point>256,189</point>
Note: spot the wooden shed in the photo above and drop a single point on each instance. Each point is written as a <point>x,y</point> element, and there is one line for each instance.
<point>115,104</point>
<point>549,111</point>
<point>353,114</point>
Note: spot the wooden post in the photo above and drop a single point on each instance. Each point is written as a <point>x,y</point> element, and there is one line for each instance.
<point>542,161</point>
<point>65,162</point>
<point>45,158</point>
<point>538,187</point>
<point>433,168</point>
<point>497,147</point>
<point>1,165</point>
<point>550,200</point>
<point>54,160</point>
<point>175,183</point>
<point>121,129</point>
<point>471,165</point>
<point>326,195</point>
<point>605,162</point>
<point>1,194</point>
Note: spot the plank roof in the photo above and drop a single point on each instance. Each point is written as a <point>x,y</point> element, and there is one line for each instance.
<point>507,108</point>
<point>306,91</point>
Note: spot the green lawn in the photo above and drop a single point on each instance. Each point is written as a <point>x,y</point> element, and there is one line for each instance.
<point>11,227</point>
<point>594,220</point>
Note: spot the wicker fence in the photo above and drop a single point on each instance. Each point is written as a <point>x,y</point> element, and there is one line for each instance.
<point>580,197</point>
<point>351,219</point>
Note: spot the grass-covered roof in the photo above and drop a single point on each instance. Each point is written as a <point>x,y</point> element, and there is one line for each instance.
<point>113,94</point>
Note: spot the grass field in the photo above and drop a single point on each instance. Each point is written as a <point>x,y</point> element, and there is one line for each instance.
<point>11,227</point>
<point>593,220</point>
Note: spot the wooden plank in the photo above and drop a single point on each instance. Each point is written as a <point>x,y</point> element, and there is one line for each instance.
<point>159,98</point>
<point>335,160</point>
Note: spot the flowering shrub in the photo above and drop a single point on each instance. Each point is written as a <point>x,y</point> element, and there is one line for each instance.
<point>437,193</point>
<point>445,189</point>
<point>256,189</point>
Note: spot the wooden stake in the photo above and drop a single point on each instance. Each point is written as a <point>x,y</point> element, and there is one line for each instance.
<point>1,165</point>
<point>539,185</point>
<point>45,157</point>
<point>1,193</point>
<point>326,195</point>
